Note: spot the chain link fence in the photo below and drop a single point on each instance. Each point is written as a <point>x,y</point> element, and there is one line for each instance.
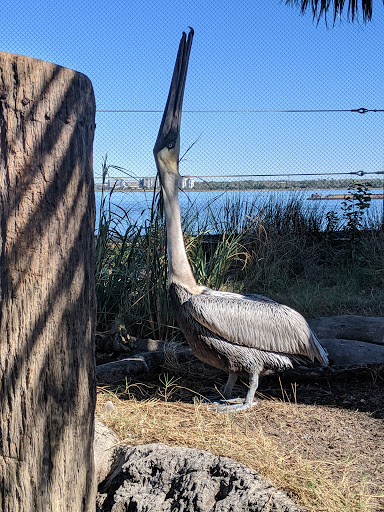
<point>318,162</point>
<point>273,104</point>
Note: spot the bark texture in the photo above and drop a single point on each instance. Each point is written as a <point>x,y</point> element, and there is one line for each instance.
<point>47,310</point>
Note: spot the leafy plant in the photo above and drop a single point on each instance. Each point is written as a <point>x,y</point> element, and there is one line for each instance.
<point>332,221</point>
<point>355,205</point>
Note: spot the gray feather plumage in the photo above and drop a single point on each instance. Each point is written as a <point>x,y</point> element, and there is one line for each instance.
<point>239,333</point>
<point>255,322</point>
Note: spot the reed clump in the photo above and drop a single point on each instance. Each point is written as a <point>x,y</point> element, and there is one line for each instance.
<point>318,263</point>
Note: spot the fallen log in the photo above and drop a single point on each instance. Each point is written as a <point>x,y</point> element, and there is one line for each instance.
<point>349,327</point>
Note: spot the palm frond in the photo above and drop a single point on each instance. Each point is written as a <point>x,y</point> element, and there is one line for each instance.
<point>321,8</point>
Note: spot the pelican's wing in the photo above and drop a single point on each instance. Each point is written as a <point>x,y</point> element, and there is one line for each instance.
<point>255,322</point>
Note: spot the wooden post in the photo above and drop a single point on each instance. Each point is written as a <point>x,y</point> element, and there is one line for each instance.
<point>47,310</point>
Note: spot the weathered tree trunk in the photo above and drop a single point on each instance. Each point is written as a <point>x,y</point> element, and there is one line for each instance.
<point>47,375</point>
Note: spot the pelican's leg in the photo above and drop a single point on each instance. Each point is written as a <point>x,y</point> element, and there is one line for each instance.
<point>227,393</point>
<point>253,384</point>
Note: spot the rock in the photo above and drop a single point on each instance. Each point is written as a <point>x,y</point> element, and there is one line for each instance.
<point>352,352</point>
<point>158,478</point>
<point>105,447</point>
<point>108,406</point>
<point>349,327</point>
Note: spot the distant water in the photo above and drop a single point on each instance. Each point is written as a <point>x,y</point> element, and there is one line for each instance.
<point>134,207</point>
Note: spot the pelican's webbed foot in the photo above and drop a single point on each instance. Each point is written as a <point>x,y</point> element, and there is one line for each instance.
<point>215,400</point>
<point>225,396</point>
<point>236,404</point>
<point>233,405</point>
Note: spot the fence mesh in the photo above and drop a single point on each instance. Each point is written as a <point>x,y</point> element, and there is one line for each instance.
<point>318,162</point>
<point>273,103</point>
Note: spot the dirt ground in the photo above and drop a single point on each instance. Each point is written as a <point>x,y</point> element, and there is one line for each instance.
<point>334,425</point>
<point>340,418</point>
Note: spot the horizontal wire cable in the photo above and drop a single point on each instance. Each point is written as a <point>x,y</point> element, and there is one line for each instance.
<point>306,111</point>
<point>287,176</point>
<point>358,173</point>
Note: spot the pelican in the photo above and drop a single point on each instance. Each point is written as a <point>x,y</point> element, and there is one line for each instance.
<point>244,335</point>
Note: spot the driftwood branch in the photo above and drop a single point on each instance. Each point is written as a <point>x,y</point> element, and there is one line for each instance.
<point>345,356</point>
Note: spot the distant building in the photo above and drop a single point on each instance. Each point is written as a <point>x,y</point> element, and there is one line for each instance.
<point>115,183</point>
<point>118,182</point>
<point>147,182</point>
<point>132,183</point>
<point>186,182</point>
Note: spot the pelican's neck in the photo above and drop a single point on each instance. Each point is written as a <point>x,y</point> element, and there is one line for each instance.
<point>179,269</point>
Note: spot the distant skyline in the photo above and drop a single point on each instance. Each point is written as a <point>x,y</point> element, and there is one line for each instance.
<point>246,55</point>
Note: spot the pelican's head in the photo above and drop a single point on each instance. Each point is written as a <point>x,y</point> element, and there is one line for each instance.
<point>167,146</point>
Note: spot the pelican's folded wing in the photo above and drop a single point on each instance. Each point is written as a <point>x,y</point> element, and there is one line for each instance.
<point>255,322</point>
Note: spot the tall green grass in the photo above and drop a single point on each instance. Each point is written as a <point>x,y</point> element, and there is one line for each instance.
<point>131,266</point>
<point>131,270</point>
<point>319,271</point>
<point>279,249</point>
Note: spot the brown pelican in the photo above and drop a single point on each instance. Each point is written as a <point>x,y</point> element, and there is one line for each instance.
<point>244,335</point>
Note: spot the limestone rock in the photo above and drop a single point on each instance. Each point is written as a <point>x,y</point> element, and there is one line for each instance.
<point>105,447</point>
<point>158,478</point>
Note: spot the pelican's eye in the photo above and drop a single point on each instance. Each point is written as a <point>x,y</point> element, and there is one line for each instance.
<point>170,145</point>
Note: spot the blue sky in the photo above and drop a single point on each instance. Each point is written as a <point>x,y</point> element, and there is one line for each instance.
<point>246,55</point>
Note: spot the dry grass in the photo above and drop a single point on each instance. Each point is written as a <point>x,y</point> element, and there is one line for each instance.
<point>314,453</point>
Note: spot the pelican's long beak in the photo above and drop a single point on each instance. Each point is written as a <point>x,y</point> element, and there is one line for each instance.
<point>167,146</point>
